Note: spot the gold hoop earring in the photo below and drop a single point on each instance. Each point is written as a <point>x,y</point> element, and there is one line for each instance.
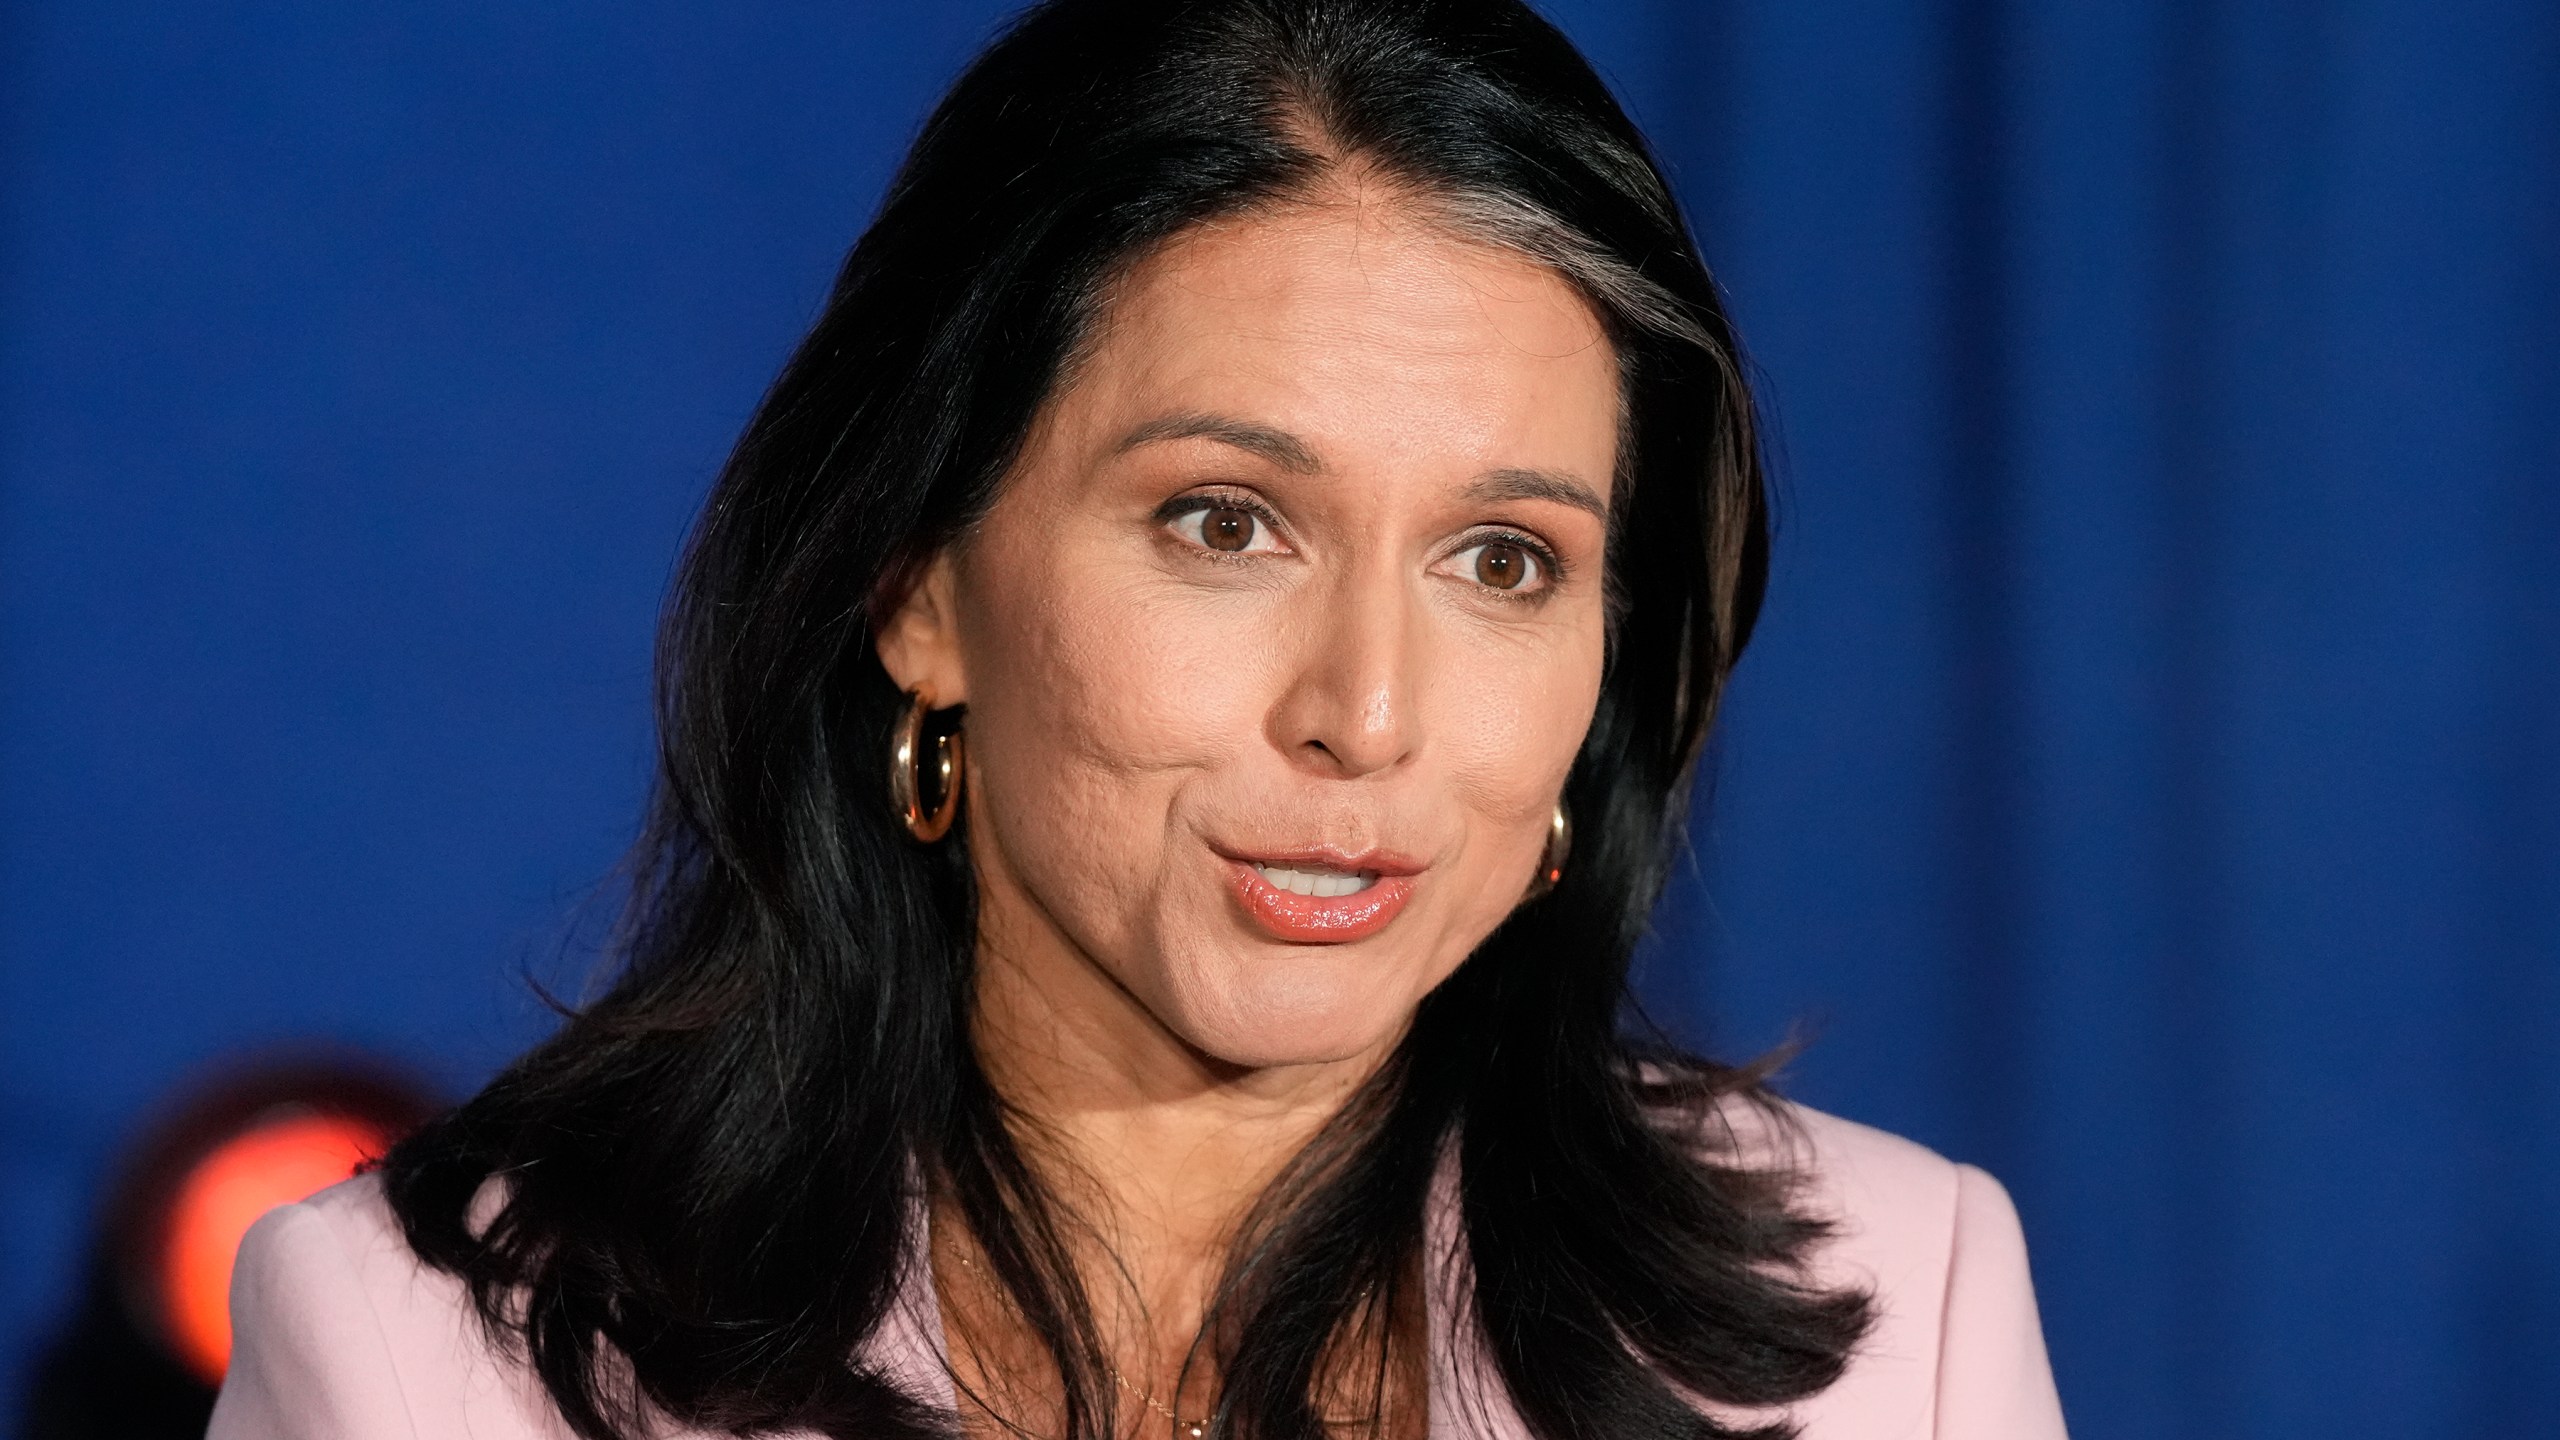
<point>906,774</point>
<point>1551,859</point>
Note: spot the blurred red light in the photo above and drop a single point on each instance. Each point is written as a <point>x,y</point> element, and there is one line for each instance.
<point>275,1162</point>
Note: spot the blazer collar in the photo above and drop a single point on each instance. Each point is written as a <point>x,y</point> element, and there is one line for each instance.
<point>1467,1399</point>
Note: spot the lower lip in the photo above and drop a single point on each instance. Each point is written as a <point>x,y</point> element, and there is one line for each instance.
<point>1320,919</point>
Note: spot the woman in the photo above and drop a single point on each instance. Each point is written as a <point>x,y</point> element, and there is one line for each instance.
<point>1274,493</point>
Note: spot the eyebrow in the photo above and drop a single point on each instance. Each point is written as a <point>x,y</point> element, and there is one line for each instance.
<point>1277,446</point>
<point>1294,455</point>
<point>1512,483</point>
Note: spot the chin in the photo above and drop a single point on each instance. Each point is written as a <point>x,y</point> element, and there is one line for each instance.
<point>1307,1006</point>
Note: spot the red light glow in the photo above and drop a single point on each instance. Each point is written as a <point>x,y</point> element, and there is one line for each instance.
<point>272,1164</point>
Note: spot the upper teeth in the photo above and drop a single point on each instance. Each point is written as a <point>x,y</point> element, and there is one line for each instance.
<point>1319,883</point>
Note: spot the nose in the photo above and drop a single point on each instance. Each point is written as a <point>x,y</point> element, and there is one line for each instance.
<point>1349,709</point>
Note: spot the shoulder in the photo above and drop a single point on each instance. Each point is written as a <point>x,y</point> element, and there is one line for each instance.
<point>1956,1348</point>
<point>339,1330</point>
<point>1891,1202</point>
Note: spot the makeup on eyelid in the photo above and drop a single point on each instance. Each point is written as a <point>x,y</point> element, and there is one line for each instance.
<point>1506,561</point>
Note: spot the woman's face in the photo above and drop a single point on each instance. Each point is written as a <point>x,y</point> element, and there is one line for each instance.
<point>1282,635</point>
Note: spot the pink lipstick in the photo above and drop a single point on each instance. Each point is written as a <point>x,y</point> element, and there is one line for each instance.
<point>1322,899</point>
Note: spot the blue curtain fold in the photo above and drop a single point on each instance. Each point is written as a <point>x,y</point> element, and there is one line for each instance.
<point>2148,776</point>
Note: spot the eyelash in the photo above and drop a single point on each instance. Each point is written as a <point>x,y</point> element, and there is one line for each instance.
<point>1197,503</point>
<point>1551,567</point>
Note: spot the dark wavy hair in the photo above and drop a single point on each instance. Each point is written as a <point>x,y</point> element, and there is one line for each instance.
<point>710,1176</point>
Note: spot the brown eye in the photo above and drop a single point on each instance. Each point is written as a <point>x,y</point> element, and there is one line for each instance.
<point>1229,529</point>
<point>1226,529</point>
<point>1502,566</point>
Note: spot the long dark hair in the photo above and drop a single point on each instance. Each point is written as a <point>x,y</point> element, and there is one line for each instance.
<point>711,1175</point>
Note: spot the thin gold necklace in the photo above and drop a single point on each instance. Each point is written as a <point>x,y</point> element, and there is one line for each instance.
<point>1188,1429</point>
<point>1191,1429</point>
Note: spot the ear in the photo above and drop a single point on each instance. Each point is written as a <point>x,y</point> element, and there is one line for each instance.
<point>920,643</point>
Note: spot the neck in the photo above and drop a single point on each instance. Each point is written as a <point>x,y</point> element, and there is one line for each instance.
<point>1162,1149</point>
<point>1156,1151</point>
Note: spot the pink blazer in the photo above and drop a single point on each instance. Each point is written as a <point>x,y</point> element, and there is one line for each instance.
<point>340,1334</point>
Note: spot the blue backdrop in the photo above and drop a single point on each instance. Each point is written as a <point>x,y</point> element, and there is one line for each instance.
<point>2147,780</point>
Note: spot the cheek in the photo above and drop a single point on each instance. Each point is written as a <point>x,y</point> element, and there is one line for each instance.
<point>1512,723</point>
<point>1090,705</point>
<point>1512,718</point>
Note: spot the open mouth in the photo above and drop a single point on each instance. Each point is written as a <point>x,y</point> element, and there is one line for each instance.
<point>1327,901</point>
<point>1322,884</point>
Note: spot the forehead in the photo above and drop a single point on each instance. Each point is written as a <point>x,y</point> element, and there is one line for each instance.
<point>1360,322</point>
